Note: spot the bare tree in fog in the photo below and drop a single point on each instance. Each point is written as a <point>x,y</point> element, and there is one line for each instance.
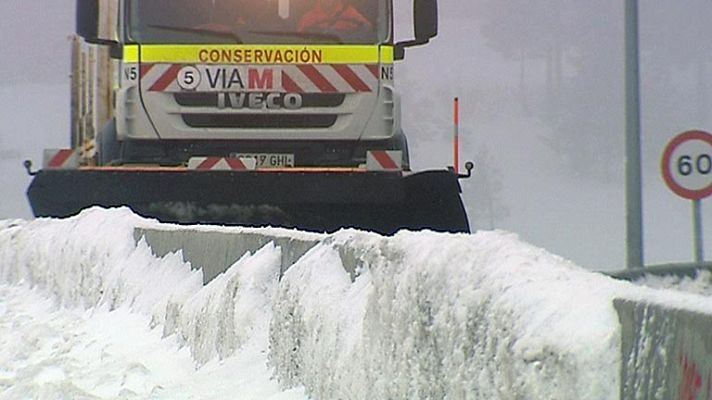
<point>564,51</point>
<point>529,35</point>
<point>676,66</point>
<point>490,207</point>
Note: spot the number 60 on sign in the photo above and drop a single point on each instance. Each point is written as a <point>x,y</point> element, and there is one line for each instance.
<point>687,165</point>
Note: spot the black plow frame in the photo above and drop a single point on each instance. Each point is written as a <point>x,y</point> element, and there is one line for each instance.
<point>382,202</point>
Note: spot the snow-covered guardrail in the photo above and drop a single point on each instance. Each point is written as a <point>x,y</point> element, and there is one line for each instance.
<point>680,270</point>
<point>214,251</point>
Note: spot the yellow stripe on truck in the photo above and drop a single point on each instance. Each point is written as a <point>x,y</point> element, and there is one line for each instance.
<point>258,54</point>
<point>131,53</point>
<point>387,54</point>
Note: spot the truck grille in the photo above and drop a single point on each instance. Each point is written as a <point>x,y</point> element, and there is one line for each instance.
<point>310,100</point>
<point>255,121</point>
<point>196,119</point>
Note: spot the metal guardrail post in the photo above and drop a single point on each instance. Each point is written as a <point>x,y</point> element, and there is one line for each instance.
<point>689,270</point>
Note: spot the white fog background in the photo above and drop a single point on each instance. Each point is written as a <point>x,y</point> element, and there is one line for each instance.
<point>541,86</point>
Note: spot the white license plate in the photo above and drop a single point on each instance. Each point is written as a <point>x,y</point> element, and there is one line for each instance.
<point>269,160</point>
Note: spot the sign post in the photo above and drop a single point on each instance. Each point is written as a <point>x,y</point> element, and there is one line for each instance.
<point>634,190</point>
<point>687,170</point>
<point>697,226</point>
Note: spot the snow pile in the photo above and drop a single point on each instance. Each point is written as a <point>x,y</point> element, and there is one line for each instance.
<point>91,262</point>
<point>230,311</point>
<point>48,352</point>
<point>442,316</point>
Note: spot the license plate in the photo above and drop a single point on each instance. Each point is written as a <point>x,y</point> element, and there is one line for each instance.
<point>269,160</point>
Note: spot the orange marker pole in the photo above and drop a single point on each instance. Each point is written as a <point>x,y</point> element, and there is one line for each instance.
<point>456,138</point>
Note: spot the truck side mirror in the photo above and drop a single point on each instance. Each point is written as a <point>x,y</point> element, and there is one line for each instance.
<point>425,18</point>
<point>425,21</point>
<point>88,20</point>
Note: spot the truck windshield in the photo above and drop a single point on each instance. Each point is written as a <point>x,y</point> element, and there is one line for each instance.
<point>258,21</point>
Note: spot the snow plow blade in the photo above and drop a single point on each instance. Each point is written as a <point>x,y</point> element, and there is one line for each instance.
<point>321,201</point>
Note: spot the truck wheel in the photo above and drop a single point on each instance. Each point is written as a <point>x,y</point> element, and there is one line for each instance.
<point>109,148</point>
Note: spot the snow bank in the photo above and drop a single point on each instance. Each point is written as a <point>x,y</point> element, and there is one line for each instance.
<point>93,261</point>
<point>230,310</point>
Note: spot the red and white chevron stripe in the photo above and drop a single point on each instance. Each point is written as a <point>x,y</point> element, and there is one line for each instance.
<point>160,77</point>
<point>60,159</point>
<point>221,164</point>
<point>322,78</point>
<point>384,160</point>
<point>333,78</point>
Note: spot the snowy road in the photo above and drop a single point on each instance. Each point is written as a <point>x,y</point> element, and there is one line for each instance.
<point>49,352</point>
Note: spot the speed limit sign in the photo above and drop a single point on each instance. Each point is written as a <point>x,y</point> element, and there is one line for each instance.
<point>687,165</point>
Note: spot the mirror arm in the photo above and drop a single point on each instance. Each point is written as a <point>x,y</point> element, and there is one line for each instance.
<point>116,49</point>
<point>399,49</point>
<point>101,42</point>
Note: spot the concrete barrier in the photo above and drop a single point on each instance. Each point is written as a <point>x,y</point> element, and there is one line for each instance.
<point>666,353</point>
<point>215,251</point>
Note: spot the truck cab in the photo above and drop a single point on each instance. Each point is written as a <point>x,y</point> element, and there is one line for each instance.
<point>290,83</point>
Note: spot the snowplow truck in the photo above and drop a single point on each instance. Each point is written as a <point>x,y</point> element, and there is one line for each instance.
<point>249,112</point>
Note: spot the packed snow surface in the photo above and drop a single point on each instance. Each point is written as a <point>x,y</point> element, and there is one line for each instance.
<point>88,313</point>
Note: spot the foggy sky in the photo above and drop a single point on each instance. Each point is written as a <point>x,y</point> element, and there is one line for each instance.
<point>541,85</point>
<point>35,46</point>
